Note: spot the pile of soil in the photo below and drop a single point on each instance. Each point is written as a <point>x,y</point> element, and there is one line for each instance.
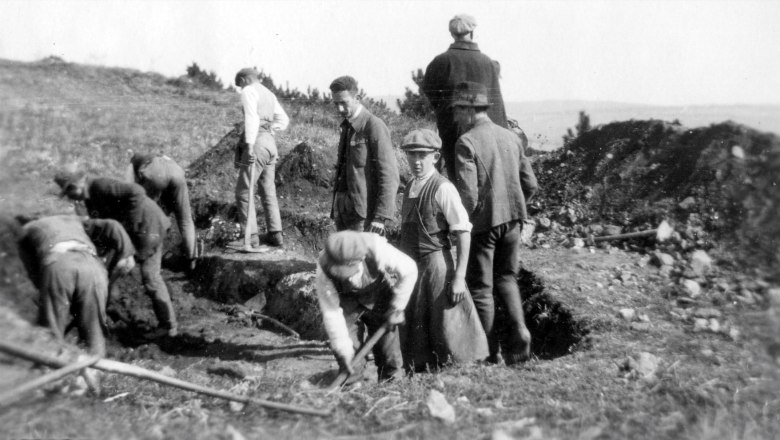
<point>719,179</point>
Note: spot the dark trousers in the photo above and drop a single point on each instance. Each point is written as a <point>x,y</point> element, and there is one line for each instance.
<point>387,352</point>
<point>494,262</point>
<point>153,282</point>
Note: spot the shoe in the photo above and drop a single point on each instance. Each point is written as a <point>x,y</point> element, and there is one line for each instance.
<point>272,239</point>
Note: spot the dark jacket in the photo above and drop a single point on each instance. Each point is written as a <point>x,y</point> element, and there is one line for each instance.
<point>493,183</point>
<point>461,62</point>
<point>128,204</point>
<point>367,168</point>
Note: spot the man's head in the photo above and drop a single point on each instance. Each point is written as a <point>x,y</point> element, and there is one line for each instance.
<point>345,95</point>
<point>469,102</point>
<point>462,27</point>
<point>246,76</point>
<point>422,148</point>
<point>344,254</point>
<point>73,184</point>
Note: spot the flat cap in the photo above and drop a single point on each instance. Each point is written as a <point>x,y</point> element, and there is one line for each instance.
<point>462,24</point>
<point>344,253</point>
<point>421,139</point>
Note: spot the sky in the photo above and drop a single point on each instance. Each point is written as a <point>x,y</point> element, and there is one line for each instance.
<point>684,52</point>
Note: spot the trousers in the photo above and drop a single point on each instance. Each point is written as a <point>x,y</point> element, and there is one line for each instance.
<point>264,165</point>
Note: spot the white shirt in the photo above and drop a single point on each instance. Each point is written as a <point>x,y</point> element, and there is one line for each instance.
<point>449,202</point>
<point>252,96</point>
<point>399,269</point>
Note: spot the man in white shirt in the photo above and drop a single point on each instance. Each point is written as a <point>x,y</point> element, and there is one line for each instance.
<point>362,278</point>
<point>263,116</point>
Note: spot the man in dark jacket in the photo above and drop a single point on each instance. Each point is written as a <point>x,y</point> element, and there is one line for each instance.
<point>144,222</point>
<point>61,259</point>
<point>461,62</point>
<point>494,188</point>
<point>367,170</point>
<point>164,182</point>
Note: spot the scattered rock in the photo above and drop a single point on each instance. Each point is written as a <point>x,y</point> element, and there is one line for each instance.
<point>690,288</point>
<point>714,325</point>
<point>700,325</point>
<point>701,263</point>
<point>236,406</point>
<point>661,259</point>
<point>641,326</point>
<point>642,365</point>
<point>738,152</point>
<point>627,314</point>
<point>543,223</point>
<point>706,313</point>
<point>167,371</point>
<point>439,407</point>
<point>576,243</point>
<point>687,203</point>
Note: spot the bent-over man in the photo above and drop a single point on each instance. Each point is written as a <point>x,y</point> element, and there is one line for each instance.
<point>165,183</point>
<point>62,262</point>
<point>145,223</point>
<point>362,278</point>
<point>494,188</point>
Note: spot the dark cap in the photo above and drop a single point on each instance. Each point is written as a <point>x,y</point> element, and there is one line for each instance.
<point>421,139</point>
<point>344,253</point>
<point>470,94</point>
<point>67,178</point>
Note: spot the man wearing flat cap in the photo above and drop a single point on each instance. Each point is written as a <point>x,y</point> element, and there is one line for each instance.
<point>367,178</point>
<point>442,325</point>
<point>463,61</point>
<point>256,160</point>
<point>145,223</point>
<point>362,278</point>
<point>494,188</point>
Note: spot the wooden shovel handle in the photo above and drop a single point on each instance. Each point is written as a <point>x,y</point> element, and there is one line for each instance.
<point>362,352</point>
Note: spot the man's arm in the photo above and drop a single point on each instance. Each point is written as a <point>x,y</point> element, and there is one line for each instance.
<point>466,180</point>
<point>449,202</point>
<point>528,182</point>
<point>249,98</point>
<point>281,120</point>
<point>111,240</point>
<point>435,84</point>
<point>385,170</point>
<point>333,318</point>
<point>399,267</point>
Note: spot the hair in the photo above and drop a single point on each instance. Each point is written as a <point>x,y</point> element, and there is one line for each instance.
<point>343,83</point>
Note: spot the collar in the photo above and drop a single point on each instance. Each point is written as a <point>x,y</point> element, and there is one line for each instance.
<point>464,45</point>
<point>359,119</point>
<point>426,176</point>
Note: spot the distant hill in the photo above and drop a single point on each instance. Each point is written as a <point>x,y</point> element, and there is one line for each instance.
<point>545,122</point>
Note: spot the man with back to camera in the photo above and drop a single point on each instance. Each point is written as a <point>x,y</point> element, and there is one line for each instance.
<point>257,155</point>
<point>366,169</point>
<point>494,188</point>
<point>463,61</point>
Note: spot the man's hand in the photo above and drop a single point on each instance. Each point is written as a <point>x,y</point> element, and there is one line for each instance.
<point>345,363</point>
<point>377,228</point>
<point>125,265</point>
<point>458,290</point>
<point>394,317</point>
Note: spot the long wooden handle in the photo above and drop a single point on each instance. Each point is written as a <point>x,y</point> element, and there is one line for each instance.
<point>142,373</point>
<point>13,394</point>
<point>362,352</point>
<point>251,207</point>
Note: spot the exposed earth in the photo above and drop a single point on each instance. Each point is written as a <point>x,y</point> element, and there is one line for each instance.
<point>632,339</point>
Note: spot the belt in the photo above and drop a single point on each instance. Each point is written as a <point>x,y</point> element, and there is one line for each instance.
<point>72,246</point>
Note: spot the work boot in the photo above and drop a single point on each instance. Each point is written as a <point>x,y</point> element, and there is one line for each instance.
<point>272,239</point>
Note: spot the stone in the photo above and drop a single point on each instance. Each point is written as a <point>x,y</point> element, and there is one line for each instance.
<point>706,313</point>
<point>773,296</point>
<point>439,407</point>
<point>642,365</point>
<point>687,203</point>
<point>627,314</point>
<point>596,229</point>
<point>714,325</point>
<point>661,259</point>
<point>690,288</point>
<point>641,326</point>
<point>738,152</point>
<point>700,325</point>
<point>543,223</point>
<point>701,262</point>
<point>576,243</point>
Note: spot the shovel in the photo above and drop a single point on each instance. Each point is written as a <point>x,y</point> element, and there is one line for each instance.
<point>247,248</point>
<point>362,352</point>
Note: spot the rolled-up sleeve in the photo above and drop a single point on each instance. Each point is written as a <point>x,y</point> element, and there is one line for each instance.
<point>332,316</point>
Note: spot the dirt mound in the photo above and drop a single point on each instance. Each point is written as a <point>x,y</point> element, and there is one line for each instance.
<point>720,178</point>
<point>304,162</point>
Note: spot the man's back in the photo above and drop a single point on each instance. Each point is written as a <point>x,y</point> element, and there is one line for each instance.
<point>488,175</point>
